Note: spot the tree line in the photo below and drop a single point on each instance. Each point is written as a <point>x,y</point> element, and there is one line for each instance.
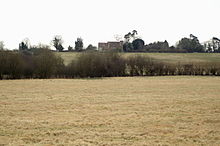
<point>57,43</point>
<point>133,43</point>
<point>43,63</point>
<point>191,44</point>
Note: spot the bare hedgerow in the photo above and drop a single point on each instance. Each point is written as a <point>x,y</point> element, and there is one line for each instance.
<point>139,65</point>
<point>48,64</point>
<point>2,63</point>
<point>29,66</point>
<point>43,63</point>
<point>97,64</point>
<point>11,65</point>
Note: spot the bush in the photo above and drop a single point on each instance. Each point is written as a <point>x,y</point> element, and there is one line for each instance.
<point>47,64</point>
<point>2,63</point>
<point>11,65</point>
<point>95,64</point>
<point>138,65</point>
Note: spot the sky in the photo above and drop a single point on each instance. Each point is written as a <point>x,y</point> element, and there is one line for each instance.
<point>101,20</point>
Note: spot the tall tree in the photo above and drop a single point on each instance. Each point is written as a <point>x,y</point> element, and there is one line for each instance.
<point>130,35</point>
<point>130,40</point>
<point>91,47</point>
<point>70,48</point>
<point>127,37</point>
<point>138,44</point>
<point>157,46</point>
<point>57,43</point>
<point>128,47</point>
<point>2,46</point>
<point>79,44</point>
<point>134,33</point>
<point>190,44</point>
<point>216,44</point>
<point>23,46</point>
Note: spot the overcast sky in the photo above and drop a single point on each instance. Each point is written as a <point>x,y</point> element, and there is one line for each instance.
<point>100,20</point>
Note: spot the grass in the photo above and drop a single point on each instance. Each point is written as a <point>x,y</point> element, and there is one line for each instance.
<point>180,110</point>
<point>185,57</point>
<point>163,57</point>
<point>67,56</point>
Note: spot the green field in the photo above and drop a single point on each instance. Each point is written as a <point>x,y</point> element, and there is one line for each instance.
<point>163,57</point>
<point>138,111</point>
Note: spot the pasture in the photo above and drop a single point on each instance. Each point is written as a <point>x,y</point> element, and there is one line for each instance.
<point>182,58</point>
<point>178,110</point>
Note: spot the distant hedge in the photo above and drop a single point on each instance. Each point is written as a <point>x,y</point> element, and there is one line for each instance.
<point>43,63</point>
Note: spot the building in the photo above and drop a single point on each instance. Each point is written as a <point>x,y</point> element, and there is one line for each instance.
<point>110,45</point>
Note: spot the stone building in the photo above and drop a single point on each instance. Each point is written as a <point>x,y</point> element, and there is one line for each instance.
<point>110,45</point>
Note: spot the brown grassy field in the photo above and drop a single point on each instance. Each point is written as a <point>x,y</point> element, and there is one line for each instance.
<point>181,58</point>
<point>180,110</point>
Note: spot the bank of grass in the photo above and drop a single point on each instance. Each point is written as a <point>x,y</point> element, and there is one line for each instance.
<point>174,58</point>
<point>179,110</point>
<point>184,57</point>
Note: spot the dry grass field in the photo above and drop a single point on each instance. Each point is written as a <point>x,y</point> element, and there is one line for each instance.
<point>163,57</point>
<point>135,111</point>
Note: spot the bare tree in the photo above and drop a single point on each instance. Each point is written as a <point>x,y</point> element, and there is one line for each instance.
<point>2,46</point>
<point>118,37</point>
<point>57,43</point>
<point>24,45</point>
<point>79,44</point>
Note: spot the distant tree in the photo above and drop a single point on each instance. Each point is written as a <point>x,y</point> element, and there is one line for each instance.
<point>165,45</point>
<point>213,45</point>
<point>138,44</point>
<point>172,47</point>
<point>158,46</point>
<point>127,37</point>
<point>185,43</point>
<point>118,37</point>
<point>91,47</point>
<point>132,42</point>
<point>70,48</point>
<point>128,47</point>
<point>79,44</point>
<point>134,33</point>
<point>57,43</point>
<point>24,45</point>
<point>130,35</point>
<point>37,48</point>
<point>217,39</point>
<point>216,44</point>
<point>190,44</point>
<point>209,48</point>
<point>2,45</point>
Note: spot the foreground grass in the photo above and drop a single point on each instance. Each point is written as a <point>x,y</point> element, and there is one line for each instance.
<point>111,111</point>
<point>182,58</point>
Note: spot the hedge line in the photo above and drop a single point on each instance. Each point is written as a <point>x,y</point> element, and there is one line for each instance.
<point>45,64</point>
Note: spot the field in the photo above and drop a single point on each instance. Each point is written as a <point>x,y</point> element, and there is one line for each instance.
<point>182,110</point>
<point>163,57</point>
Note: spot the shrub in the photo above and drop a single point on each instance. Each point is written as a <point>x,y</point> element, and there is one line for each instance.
<point>137,65</point>
<point>47,64</point>
<point>95,64</point>
<point>11,65</point>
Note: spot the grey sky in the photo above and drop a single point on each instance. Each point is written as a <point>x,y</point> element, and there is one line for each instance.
<point>99,20</point>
